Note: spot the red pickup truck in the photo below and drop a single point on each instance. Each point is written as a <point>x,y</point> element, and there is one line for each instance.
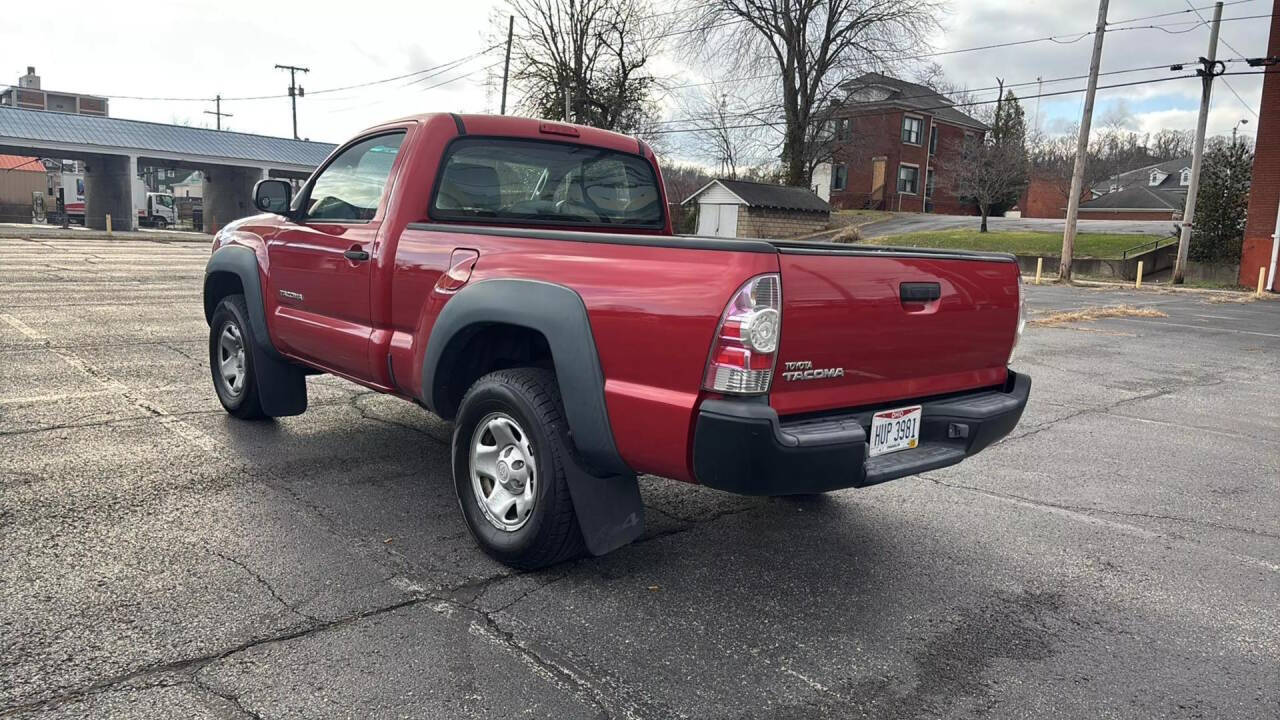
<point>521,279</point>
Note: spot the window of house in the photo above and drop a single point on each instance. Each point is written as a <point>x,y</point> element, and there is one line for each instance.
<point>912,127</point>
<point>350,188</point>
<point>839,177</point>
<point>933,140</point>
<point>908,179</point>
<point>844,129</point>
<point>1185,179</point>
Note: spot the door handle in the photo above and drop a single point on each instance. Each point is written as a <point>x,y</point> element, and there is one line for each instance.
<point>919,292</point>
<point>355,254</point>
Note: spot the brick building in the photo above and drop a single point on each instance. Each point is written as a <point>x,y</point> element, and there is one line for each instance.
<point>28,95</point>
<point>894,143</point>
<point>1045,196</point>
<point>1264,192</point>
<point>736,208</point>
<point>20,178</point>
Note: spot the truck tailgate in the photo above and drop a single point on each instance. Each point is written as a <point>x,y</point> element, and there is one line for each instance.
<point>864,326</point>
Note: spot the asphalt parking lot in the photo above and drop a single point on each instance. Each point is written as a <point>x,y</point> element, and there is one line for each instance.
<point>1117,556</point>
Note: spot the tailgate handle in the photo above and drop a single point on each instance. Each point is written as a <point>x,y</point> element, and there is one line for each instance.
<point>919,292</point>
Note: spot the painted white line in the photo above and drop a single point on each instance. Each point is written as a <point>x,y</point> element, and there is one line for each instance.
<point>1197,327</point>
<point>54,398</point>
<point>183,430</point>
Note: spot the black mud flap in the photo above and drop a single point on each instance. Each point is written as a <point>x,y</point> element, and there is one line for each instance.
<point>610,512</point>
<point>282,386</point>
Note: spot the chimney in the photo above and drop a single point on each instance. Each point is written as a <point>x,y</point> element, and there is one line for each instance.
<point>31,80</point>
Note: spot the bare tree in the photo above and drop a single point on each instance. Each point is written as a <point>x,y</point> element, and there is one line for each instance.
<point>728,138</point>
<point>814,46</point>
<point>992,170</point>
<point>587,61</point>
<point>1170,144</point>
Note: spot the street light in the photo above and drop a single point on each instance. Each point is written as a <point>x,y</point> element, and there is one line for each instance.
<point>1241,121</point>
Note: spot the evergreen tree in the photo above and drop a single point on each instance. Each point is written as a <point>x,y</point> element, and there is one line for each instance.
<point>1010,124</point>
<point>993,171</point>
<point>1222,203</point>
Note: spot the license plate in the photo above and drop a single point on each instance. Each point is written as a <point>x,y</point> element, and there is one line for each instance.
<point>894,430</point>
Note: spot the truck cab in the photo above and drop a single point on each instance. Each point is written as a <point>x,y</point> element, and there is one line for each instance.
<point>159,211</point>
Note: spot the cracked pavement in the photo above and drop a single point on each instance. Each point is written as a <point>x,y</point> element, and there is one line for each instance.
<point>1117,556</point>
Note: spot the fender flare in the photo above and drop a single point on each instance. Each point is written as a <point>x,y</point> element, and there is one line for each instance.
<point>282,386</point>
<point>561,316</point>
<point>606,497</point>
<point>242,262</point>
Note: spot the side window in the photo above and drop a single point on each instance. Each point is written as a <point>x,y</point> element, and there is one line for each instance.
<point>351,187</point>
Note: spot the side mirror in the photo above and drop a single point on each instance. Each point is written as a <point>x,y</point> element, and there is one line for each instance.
<point>273,196</point>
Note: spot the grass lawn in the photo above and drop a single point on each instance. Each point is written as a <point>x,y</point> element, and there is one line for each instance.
<point>1021,242</point>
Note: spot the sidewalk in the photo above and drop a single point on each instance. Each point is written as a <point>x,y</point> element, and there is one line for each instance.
<point>24,230</point>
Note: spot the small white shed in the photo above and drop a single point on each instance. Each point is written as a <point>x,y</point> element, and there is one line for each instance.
<point>737,208</point>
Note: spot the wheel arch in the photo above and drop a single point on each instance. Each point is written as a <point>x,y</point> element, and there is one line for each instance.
<point>231,269</point>
<point>534,312</point>
<point>282,386</point>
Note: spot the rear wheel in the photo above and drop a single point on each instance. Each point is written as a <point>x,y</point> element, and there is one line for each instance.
<point>508,467</point>
<point>231,359</point>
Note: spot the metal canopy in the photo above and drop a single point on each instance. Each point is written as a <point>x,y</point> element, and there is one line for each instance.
<point>86,133</point>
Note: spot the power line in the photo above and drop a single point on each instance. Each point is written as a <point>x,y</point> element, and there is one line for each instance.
<point>1039,81</point>
<point>1063,39</point>
<point>1246,105</point>
<point>956,105</point>
<point>1178,12</point>
<point>443,67</point>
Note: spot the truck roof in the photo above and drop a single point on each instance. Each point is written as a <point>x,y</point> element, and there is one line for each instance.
<point>533,128</point>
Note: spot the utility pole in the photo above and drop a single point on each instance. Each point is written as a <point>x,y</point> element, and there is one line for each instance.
<point>566,104</point>
<point>1210,68</point>
<point>506,64</point>
<point>295,92</point>
<point>1082,148</point>
<point>217,112</point>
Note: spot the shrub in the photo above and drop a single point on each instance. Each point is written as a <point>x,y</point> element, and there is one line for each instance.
<point>850,234</point>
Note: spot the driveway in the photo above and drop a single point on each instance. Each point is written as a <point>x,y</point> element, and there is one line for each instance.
<point>903,223</point>
<point>1117,556</point>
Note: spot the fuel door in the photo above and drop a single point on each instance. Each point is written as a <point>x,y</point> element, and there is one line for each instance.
<point>461,262</point>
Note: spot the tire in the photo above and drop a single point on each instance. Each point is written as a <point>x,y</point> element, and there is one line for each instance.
<point>514,417</point>
<point>231,359</point>
<point>160,224</point>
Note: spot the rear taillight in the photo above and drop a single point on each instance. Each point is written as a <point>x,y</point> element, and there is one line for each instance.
<point>746,342</point>
<point>1022,317</point>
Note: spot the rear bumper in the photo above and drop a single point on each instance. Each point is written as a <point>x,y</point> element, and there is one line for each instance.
<point>742,446</point>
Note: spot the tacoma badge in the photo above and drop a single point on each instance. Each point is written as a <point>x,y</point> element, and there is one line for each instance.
<point>804,370</point>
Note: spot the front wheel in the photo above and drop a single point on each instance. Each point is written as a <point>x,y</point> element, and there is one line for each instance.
<point>231,359</point>
<point>508,469</point>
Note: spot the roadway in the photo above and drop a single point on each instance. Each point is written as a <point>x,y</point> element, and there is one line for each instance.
<point>902,223</point>
<point>1118,555</point>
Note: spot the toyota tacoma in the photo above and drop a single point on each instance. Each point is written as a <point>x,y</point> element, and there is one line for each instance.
<point>521,279</point>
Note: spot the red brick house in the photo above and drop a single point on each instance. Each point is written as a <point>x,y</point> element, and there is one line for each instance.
<point>893,142</point>
<point>1264,192</point>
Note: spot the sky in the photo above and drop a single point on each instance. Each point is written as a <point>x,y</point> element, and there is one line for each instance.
<point>181,49</point>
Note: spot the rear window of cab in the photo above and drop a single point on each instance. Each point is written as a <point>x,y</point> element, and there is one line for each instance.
<point>545,183</point>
